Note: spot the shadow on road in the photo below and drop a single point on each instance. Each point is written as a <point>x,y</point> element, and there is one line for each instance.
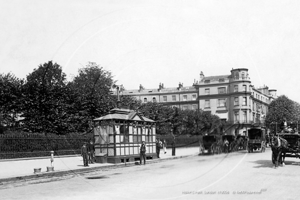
<point>96,177</point>
<point>269,164</point>
<point>263,164</point>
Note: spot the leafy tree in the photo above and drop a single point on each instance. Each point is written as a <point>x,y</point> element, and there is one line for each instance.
<point>45,106</point>
<point>199,122</point>
<point>10,98</point>
<point>176,121</point>
<point>93,99</point>
<point>280,109</point>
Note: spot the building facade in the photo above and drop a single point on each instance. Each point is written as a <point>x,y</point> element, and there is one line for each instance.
<point>232,97</point>
<point>181,97</point>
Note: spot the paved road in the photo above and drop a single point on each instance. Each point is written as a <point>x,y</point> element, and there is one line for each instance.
<point>232,176</point>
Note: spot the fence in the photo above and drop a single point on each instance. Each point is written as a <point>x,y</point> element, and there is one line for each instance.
<point>36,145</point>
<point>12,146</point>
<point>181,141</point>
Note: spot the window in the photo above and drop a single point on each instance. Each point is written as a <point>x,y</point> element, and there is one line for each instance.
<point>207,81</point>
<point>243,75</point>
<point>221,102</point>
<point>184,97</point>
<point>194,97</point>
<point>154,99</point>
<point>207,104</point>
<point>236,88</point>
<point>173,97</point>
<point>236,75</point>
<point>245,88</point>
<point>145,100</point>
<point>164,98</point>
<point>245,116</point>
<point>236,101</point>
<point>207,91</point>
<point>222,90</point>
<point>236,116</point>
<point>221,80</point>
<point>185,107</point>
<point>244,101</point>
<point>194,107</point>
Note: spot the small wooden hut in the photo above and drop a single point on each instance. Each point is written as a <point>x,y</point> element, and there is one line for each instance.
<point>119,134</point>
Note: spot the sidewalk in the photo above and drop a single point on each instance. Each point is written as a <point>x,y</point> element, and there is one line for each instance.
<point>16,170</point>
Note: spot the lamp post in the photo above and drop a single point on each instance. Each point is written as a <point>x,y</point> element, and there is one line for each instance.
<point>118,88</point>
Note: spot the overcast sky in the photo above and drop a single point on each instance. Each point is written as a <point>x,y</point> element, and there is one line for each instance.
<point>148,42</point>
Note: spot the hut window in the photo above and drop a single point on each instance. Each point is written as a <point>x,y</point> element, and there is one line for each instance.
<point>124,131</point>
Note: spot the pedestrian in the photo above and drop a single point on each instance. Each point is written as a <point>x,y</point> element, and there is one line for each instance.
<point>84,154</point>
<point>226,145</point>
<point>143,153</point>
<point>165,146</point>
<point>91,152</point>
<point>158,146</point>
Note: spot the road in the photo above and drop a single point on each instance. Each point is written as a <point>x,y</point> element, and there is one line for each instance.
<point>237,175</point>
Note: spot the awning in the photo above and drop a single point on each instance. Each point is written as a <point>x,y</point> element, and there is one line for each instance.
<point>222,115</point>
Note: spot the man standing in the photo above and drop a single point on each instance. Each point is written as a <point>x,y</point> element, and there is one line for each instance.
<point>164,143</point>
<point>91,151</point>
<point>84,154</point>
<point>158,146</point>
<point>143,153</point>
<point>226,145</point>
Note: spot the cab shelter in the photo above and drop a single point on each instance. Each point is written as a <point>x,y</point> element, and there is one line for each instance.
<point>119,134</point>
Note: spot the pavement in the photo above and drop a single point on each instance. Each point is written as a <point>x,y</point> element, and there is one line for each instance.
<point>18,170</point>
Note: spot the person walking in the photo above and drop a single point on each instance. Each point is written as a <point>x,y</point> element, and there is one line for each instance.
<point>143,153</point>
<point>91,151</point>
<point>165,146</point>
<point>84,154</point>
<point>158,146</point>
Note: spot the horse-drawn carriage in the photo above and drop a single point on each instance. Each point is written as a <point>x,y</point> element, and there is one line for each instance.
<point>208,142</point>
<point>285,145</point>
<point>257,139</point>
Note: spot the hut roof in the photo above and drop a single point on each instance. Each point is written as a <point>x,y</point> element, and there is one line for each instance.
<point>124,114</point>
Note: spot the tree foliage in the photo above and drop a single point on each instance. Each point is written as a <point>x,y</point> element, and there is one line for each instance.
<point>51,104</point>
<point>92,94</point>
<point>45,103</point>
<point>10,98</point>
<point>280,109</point>
<point>172,120</point>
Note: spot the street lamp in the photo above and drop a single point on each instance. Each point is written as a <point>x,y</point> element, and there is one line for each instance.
<point>118,88</point>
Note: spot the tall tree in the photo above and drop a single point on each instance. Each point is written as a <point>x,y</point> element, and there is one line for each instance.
<point>10,98</point>
<point>280,109</point>
<point>92,89</point>
<point>45,104</point>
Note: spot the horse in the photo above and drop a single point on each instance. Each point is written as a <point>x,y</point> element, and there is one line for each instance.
<point>279,147</point>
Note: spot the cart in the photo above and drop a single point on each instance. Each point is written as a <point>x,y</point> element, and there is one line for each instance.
<point>257,139</point>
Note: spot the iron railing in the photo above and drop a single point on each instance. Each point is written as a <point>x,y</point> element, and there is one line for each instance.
<point>12,146</point>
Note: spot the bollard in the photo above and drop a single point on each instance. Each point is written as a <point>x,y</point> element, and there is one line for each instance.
<point>173,146</point>
<point>51,168</point>
<point>52,158</point>
<point>37,170</point>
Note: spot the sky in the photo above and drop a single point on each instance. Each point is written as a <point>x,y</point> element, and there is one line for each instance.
<point>157,41</point>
